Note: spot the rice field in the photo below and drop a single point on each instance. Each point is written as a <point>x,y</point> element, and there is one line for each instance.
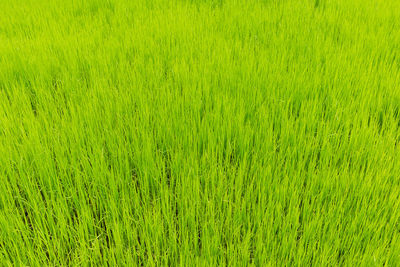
<point>200,133</point>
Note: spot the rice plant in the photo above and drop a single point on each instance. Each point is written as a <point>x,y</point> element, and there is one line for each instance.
<point>199,133</point>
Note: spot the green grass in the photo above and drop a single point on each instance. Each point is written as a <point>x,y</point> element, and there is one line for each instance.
<point>200,133</point>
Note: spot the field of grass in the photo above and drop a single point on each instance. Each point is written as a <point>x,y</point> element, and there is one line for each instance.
<point>199,132</point>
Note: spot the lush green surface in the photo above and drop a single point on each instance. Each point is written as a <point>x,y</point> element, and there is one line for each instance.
<point>194,132</point>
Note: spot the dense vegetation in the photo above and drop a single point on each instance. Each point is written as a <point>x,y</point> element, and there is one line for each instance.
<point>195,132</point>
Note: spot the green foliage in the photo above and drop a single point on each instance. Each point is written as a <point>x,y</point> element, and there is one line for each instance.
<point>206,133</point>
